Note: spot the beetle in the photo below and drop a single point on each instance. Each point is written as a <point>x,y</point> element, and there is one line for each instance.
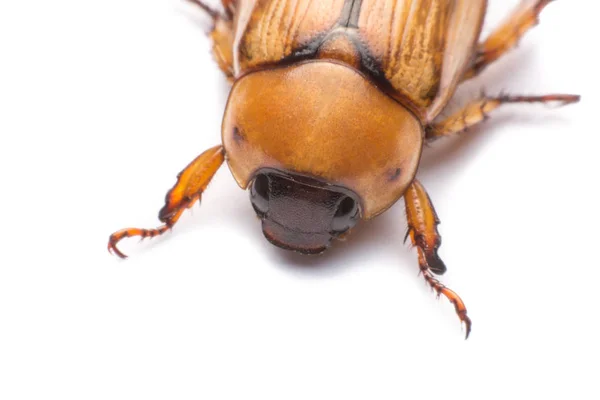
<point>331,105</point>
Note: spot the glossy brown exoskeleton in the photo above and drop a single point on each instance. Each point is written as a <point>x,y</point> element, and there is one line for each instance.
<point>331,105</point>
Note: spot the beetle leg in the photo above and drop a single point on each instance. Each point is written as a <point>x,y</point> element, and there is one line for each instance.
<point>230,7</point>
<point>524,17</point>
<point>191,183</point>
<point>422,230</point>
<point>478,111</point>
<point>214,14</point>
<point>221,35</point>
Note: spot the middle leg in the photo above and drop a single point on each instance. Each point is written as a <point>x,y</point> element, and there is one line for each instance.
<point>478,111</point>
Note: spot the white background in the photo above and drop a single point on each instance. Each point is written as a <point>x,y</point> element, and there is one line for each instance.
<point>102,103</point>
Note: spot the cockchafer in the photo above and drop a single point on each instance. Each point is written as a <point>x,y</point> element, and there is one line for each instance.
<point>331,105</point>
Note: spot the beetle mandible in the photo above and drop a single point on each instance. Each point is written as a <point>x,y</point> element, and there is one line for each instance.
<point>331,105</point>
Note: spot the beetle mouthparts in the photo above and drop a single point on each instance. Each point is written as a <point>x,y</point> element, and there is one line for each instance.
<point>301,242</point>
<point>301,213</point>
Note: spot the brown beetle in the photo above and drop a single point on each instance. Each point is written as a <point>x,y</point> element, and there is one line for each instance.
<point>331,105</point>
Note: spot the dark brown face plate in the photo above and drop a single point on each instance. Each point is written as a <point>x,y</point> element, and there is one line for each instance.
<point>300,213</point>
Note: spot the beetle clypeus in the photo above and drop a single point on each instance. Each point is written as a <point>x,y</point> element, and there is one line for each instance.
<point>331,105</point>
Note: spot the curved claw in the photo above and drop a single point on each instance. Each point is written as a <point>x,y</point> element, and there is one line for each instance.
<point>453,297</point>
<point>191,183</point>
<point>116,237</point>
<point>460,308</point>
<point>113,249</point>
<point>468,327</point>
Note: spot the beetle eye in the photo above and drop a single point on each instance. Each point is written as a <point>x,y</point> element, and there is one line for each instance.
<point>345,216</point>
<point>259,194</point>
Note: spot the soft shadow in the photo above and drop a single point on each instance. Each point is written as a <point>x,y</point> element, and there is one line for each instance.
<point>384,234</point>
<point>438,155</point>
<point>195,15</point>
<point>355,243</point>
<point>203,22</point>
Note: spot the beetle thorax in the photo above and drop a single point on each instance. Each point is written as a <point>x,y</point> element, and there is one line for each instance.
<point>327,121</point>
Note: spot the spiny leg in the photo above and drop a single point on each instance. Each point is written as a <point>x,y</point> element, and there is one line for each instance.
<point>422,230</point>
<point>221,35</point>
<point>209,10</point>
<point>230,7</point>
<point>524,17</point>
<point>478,111</point>
<point>191,183</point>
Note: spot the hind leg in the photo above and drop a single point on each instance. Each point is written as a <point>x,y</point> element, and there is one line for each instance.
<point>221,35</point>
<point>524,17</point>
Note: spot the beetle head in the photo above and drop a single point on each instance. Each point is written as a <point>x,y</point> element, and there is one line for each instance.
<point>300,213</point>
<point>307,137</point>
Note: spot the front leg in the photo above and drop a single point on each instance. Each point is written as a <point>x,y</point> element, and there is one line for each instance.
<point>422,229</point>
<point>191,183</point>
